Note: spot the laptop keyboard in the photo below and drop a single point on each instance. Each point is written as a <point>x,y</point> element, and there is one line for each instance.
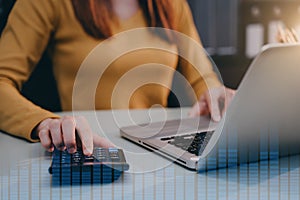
<point>193,143</point>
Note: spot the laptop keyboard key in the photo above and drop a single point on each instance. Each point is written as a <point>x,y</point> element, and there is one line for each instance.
<point>193,143</point>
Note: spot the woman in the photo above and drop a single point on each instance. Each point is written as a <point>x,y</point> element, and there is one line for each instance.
<point>69,30</point>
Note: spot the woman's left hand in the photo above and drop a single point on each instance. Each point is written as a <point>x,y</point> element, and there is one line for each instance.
<point>214,102</point>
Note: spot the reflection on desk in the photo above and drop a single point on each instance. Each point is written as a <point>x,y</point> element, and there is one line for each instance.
<point>24,170</point>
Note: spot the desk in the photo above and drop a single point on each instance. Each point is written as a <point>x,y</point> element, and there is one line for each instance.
<point>24,170</point>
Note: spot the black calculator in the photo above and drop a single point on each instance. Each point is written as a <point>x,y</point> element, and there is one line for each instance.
<point>104,166</point>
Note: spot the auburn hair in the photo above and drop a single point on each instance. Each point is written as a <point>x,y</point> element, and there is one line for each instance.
<point>95,16</point>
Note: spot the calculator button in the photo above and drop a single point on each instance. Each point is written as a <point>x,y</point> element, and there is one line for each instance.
<point>100,154</point>
<point>89,159</point>
<point>113,154</point>
<point>77,168</point>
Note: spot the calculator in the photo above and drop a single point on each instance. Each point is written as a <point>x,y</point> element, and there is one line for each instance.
<point>105,165</point>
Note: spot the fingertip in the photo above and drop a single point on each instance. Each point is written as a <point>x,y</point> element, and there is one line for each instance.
<point>72,150</point>
<point>88,152</point>
<point>217,118</point>
<point>51,149</point>
<point>87,147</point>
<point>61,147</point>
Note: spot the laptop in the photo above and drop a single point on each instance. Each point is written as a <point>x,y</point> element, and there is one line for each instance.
<point>262,121</point>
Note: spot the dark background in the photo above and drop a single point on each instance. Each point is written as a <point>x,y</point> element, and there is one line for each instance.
<point>221,25</point>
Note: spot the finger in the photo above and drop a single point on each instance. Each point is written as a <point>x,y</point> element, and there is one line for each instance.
<point>56,134</point>
<point>69,137</point>
<point>230,93</point>
<point>199,107</point>
<point>195,111</point>
<point>203,108</point>
<point>228,98</point>
<point>102,142</point>
<point>213,106</point>
<point>85,134</point>
<point>46,140</point>
<point>44,124</point>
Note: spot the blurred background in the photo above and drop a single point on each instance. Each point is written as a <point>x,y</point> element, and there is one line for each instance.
<point>232,32</point>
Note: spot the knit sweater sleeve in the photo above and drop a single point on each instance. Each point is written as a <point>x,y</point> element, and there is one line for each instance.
<point>22,43</point>
<point>194,63</point>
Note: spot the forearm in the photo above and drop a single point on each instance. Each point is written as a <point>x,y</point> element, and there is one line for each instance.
<point>19,116</point>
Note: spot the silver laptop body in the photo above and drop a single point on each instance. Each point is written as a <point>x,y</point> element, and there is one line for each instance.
<point>262,121</point>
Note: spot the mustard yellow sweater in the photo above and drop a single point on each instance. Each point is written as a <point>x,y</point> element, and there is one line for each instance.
<point>35,26</point>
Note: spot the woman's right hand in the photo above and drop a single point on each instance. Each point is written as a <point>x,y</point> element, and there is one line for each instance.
<point>61,133</point>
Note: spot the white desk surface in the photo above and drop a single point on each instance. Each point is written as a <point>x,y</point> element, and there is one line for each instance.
<point>24,170</point>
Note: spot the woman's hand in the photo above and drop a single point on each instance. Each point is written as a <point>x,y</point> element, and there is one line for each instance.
<point>60,133</point>
<point>214,102</point>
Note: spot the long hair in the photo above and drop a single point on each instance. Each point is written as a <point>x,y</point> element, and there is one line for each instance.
<point>95,16</point>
